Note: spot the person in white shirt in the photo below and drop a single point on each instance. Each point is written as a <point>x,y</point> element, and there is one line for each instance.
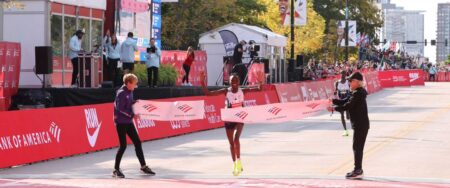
<point>75,48</point>
<point>113,53</point>
<point>128,47</point>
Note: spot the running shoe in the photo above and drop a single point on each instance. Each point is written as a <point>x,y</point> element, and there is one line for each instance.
<point>355,175</point>
<point>235,169</point>
<point>239,166</point>
<point>345,133</point>
<point>146,170</point>
<point>118,174</point>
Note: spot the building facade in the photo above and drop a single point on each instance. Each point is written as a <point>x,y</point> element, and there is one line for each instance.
<point>443,32</point>
<point>403,25</point>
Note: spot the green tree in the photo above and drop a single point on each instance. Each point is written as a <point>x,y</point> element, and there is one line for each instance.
<point>184,21</point>
<point>308,38</point>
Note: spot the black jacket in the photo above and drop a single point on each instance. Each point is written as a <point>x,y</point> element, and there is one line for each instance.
<point>357,107</point>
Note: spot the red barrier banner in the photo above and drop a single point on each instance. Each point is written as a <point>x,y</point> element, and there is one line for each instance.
<point>260,97</point>
<point>385,78</point>
<point>2,68</point>
<point>176,58</point>
<point>289,92</point>
<point>400,78</point>
<point>416,77</point>
<point>274,113</point>
<point>256,74</point>
<point>441,77</point>
<point>58,132</point>
<point>372,82</point>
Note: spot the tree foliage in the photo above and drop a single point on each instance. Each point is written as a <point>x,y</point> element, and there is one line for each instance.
<point>308,38</point>
<point>365,12</point>
<point>184,21</point>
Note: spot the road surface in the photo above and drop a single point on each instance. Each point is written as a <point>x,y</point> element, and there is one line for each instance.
<point>408,146</point>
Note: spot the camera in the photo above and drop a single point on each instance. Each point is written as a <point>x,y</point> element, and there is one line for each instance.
<point>151,50</point>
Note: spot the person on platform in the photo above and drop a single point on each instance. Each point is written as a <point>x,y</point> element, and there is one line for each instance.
<point>113,53</point>
<point>356,104</point>
<point>234,99</point>
<point>75,48</point>
<point>106,40</point>
<point>123,119</point>
<point>153,57</point>
<point>239,52</point>
<point>342,91</point>
<point>190,57</point>
<point>128,47</point>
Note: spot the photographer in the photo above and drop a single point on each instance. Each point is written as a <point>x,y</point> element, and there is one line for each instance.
<point>153,60</point>
<point>357,106</point>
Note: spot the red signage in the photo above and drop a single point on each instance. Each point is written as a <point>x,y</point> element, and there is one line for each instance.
<point>176,58</point>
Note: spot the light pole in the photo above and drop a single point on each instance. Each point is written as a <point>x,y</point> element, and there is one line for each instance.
<point>346,30</point>
<point>292,28</point>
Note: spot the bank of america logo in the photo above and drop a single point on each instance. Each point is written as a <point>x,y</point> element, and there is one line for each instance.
<point>275,110</point>
<point>149,107</point>
<point>185,108</point>
<point>55,131</point>
<point>242,115</point>
<point>313,105</point>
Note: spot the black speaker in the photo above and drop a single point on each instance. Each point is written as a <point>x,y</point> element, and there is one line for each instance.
<point>43,59</point>
<point>266,65</point>
<point>300,60</point>
<point>291,65</point>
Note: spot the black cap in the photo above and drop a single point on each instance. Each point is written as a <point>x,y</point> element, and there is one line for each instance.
<point>79,31</point>
<point>355,76</point>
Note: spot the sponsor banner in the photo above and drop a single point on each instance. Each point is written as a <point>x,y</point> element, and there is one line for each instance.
<point>385,78</point>
<point>230,40</point>
<point>176,58</point>
<point>372,82</point>
<point>254,98</point>
<point>416,77</point>
<point>170,111</point>
<point>274,113</point>
<point>256,74</point>
<point>400,78</point>
<point>10,57</point>
<point>305,91</point>
<point>59,132</point>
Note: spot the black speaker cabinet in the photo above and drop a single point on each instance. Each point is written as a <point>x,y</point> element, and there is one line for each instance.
<point>300,60</point>
<point>43,59</point>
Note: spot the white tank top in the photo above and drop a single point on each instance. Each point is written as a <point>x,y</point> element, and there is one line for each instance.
<point>343,86</point>
<point>235,100</point>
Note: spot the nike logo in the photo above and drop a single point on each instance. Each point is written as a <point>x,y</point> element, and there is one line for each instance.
<point>92,123</point>
<point>93,138</point>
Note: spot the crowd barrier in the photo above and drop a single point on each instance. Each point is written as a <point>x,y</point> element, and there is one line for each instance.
<point>440,77</point>
<point>36,135</point>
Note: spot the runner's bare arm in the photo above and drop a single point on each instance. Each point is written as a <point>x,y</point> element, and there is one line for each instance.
<point>205,89</point>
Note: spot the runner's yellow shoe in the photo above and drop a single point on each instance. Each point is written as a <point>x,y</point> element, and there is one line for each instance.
<point>345,133</point>
<point>235,169</point>
<point>239,166</point>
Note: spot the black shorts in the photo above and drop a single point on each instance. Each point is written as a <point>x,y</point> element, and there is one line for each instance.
<point>129,66</point>
<point>231,125</point>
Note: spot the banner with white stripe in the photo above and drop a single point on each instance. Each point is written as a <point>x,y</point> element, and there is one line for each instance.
<point>274,113</point>
<point>170,111</point>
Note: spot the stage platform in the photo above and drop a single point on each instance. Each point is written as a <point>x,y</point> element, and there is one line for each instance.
<point>84,96</point>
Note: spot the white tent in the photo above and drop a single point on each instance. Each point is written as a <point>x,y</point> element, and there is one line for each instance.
<point>272,46</point>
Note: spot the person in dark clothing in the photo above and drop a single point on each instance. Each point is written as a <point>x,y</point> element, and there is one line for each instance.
<point>239,52</point>
<point>357,106</point>
<point>123,119</point>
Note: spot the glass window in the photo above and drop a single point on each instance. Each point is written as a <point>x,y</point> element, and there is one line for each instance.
<point>56,36</point>
<point>84,25</point>
<point>96,33</point>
